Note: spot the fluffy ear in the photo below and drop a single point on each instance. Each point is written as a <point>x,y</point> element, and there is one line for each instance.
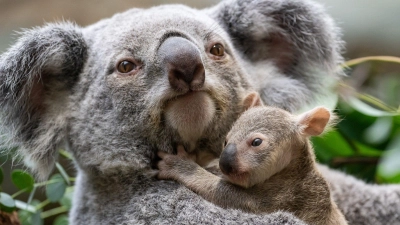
<point>313,122</point>
<point>291,45</point>
<point>252,100</point>
<point>37,75</point>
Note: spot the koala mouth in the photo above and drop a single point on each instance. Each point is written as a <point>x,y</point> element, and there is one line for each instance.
<point>190,114</point>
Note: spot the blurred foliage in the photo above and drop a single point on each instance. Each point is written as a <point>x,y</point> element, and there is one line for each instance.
<point>365,143</point>
<point>366,140</point>
<point>58,189</point>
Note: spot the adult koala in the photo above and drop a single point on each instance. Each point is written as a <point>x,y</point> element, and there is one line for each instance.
<point>116,92</point>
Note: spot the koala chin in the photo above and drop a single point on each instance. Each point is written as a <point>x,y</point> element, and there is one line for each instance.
<point>190,115</point>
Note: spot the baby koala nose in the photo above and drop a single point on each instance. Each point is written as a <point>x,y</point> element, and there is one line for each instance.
<point>183,64</point>
<point>227,160</point>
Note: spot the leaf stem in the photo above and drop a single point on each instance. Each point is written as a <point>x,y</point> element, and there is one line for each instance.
<point>357,61</point>
<point>370,99</point>
<point>349,142</point>
<point>337,161</point>
<point>53,212</point>
<point>42,204</point>
<point>45,183</point>
<point>376,102</point>
<point>66,154</point>
<point>19,192</point>
<point>63,173</point>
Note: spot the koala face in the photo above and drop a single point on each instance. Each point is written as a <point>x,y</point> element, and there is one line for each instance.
<point>259,145</point>
<point>265,140</point>
<point>174,80</point>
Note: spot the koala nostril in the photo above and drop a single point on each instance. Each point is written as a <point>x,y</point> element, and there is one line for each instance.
<point>183,64</point>
<point>227,160</point>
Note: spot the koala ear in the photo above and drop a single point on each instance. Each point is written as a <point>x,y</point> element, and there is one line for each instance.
<point>297,38</point>
<point>290,33</point>
<point>37,75</point>
<point>252,100</point>
<point>313,122</point>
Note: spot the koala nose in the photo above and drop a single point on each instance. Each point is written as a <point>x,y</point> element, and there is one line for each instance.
<point>227,160</point>
<point>183,64</point>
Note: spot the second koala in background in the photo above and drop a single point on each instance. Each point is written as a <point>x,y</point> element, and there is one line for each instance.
<point>268,165</point>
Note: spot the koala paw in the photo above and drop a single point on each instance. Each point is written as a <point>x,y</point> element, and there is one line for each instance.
<point>172,166</point>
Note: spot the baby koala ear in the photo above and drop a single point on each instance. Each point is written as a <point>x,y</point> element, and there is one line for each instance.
<point>252,100</point>
<point>313,122</point>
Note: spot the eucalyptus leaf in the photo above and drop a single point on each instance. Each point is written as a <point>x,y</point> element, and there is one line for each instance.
<point>61,220</point>
<point>331,145</point>
<point>367,150</point>
<point>25,217</point>
<point>55,189</point>
<point>7,203</point>
<point>389,166</point>
<point>367,109</point>
<point>22,180</point>
<point>379,131</point>
<point>66,200</point>
<point>36,219</point>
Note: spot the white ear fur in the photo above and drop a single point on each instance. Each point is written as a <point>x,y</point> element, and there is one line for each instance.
<point>252,100</point>
<point>313,122</point>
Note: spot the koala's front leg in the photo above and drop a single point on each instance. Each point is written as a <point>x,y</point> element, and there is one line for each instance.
<point>184,169</point>
<point>175,167</point>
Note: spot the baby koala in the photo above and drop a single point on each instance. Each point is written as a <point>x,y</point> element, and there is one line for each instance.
<point>268,164</point>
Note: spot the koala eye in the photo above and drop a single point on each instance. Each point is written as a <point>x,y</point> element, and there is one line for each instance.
<point>126,66</point>
<point>225,143</point>
<point>217,50</point>
<point>256,142</point>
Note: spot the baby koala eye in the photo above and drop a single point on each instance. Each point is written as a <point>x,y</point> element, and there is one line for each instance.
<point>217,50</point>
<point>225,143</point>
<point>126,66</point>
<point>256,142</point>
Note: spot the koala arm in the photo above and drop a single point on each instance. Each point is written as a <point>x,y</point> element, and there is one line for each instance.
<point>211,187</point>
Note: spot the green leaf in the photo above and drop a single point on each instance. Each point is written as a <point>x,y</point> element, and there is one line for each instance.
<point>7,203</point>
<point>66,200</point>
<point>55,189</point>
<point>331,145</point>
<point>379,131</point>
<point>389,165</point>
<point>1,175</point>
<point>22,180</point>
<point>25,217</point>
<point>367,109</point>
<point>61,220</point>
<point>37,219</point>
<point>366,150</point>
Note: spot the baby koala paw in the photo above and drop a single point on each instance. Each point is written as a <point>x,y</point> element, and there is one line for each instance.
<point>172,166</point>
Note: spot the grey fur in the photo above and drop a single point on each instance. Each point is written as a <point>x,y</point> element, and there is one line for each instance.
<point>363,203</point>
<point>113,124</point>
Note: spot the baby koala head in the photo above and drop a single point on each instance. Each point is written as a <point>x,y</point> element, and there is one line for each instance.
<point>264,140</point>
